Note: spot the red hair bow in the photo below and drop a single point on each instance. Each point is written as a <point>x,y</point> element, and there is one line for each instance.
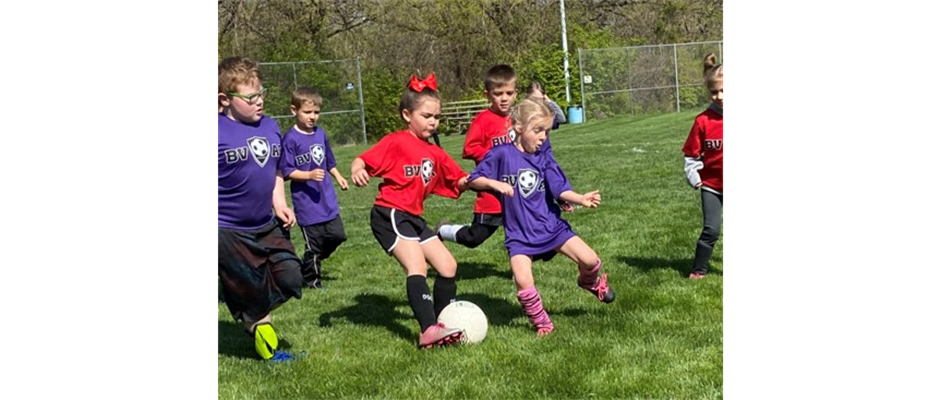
<point>428,82</point>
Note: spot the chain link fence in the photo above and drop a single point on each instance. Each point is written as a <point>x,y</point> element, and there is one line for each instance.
<point>643,79</point>
<point>339,82</point>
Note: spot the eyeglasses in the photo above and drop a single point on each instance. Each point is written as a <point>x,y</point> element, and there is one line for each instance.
<point>251,98</point>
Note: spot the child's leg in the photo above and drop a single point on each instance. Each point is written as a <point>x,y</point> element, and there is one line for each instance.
<point>445,286</point>
<point>334,236</point>
<point>711,215</point>
<point>313,239</point>
<point>482,227</point>
<point>410,256</point>
<point>528,295</point>
<point>589,266</point>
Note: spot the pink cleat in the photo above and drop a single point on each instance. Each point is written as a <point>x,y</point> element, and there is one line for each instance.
<point>439,335</point>
<point>600,289</point>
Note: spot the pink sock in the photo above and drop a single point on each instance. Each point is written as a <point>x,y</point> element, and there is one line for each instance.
<point>589,277</point>
<point>532,305</point>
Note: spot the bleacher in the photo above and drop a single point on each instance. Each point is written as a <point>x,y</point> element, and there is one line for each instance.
<point>457,115</point>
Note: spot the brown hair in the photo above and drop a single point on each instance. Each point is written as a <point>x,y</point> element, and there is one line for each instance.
<point>498,75</point>
<point>305,94</point>
<point>238,70</point>
<point>713,71</point>
<point>410,99</point>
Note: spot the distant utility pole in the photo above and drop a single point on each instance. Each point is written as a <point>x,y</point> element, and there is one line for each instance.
<point>564,48</point>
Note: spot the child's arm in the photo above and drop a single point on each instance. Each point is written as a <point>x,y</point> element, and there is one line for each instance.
<point>339,178</point>
<point>313,175</point>
<point>482,184</point>
<point>281,210</point>
<point>693,155</point>
<point>358,172</point>
<point>590,199</point>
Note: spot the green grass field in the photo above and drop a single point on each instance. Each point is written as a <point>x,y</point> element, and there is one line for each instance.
<point>661,338</point>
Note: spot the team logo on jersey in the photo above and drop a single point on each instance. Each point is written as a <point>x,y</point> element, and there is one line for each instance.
<point>528,181</point>
<point>260,149</point>
<point>427,170</point>
<point>713,144</point>
<point>318,154</point>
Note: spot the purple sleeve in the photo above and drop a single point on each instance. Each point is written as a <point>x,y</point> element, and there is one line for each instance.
<point>555,177</point>
<point>330,159</point>
<point>287,163</point>
<point>488,168</point>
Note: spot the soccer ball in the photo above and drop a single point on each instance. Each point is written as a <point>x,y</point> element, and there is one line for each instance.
<point>467,316</point>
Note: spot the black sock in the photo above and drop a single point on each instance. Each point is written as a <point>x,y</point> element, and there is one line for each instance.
<point>419,297</point>
<point>445,292</point>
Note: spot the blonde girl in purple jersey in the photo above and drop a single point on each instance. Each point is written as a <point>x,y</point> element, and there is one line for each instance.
<point>528,182</point>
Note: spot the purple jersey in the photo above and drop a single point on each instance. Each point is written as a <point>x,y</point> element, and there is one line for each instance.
<point>531,218</point>
<point>314,202</point>
<point>248,158</point>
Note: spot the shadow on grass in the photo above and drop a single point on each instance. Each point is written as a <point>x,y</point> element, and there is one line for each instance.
<point>472,270</point>
<point>235,342</point>
<point>374,310</point>
<point>500,312</point>
<point>683,266</point>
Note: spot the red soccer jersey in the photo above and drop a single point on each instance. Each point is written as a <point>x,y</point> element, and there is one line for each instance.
<point>411,170</point>
<point>487,130</point>
<point>705,141</point>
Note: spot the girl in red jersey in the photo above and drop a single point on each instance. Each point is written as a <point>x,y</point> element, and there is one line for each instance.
<point>412,169</point>
<point>703,153</point>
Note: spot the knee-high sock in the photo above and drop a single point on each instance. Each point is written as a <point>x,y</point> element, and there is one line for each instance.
<point>419,297</point>
<point>588,278</point>
<point>532,305</point>
<point>445,292</point>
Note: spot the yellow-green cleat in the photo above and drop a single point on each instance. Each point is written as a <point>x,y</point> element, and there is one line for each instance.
<point>265,341</point>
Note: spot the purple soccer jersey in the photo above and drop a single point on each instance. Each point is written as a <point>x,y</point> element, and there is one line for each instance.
<point>314,202</point>
<point>248,159</point>
<point>531,218</point>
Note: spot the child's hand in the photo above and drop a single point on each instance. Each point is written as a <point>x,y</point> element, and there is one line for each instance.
<point>501,187</point>
<point>317,174</point>
<point>591,199</point>
<point>565,206</point>
<point>360,178</point>
<point>342,183</point>
<point>285,214</point>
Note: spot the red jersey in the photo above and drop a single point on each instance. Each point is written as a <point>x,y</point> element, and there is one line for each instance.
<point>487,130</point>
<point>705,142</point>
<point>412,169</point>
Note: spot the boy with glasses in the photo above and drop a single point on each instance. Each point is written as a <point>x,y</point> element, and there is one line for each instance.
<point>258,268</point>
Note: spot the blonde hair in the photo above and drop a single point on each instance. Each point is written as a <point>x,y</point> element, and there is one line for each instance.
<point>527,110</point>
<point>714,72</point>
<point>238,70</point>
<point>305,94</point>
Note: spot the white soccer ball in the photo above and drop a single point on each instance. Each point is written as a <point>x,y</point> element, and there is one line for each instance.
<point>467,316</point>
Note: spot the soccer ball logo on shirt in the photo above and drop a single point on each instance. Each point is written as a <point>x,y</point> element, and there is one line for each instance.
<point>259,149</point>
<point>316,151</point>
<point>427,170</point>
<point>528,180</point>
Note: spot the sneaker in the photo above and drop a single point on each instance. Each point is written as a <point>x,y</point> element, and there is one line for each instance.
<point>439,335</point>
<point>545,331</point>
<point>315,284</point>
<point>265,341</point>
<point>696,275</point>
<point>601,289</point>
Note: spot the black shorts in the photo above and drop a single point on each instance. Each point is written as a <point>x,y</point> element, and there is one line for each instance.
<point>488,219</point>
<point>390,225</point>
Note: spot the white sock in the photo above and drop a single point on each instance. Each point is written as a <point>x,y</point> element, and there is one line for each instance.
<point>449,232</point>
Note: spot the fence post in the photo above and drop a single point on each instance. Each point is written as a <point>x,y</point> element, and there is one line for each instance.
<point>675,64</point>
<point>581,78</point>
<point>293,67</point>
<point>362,109</point>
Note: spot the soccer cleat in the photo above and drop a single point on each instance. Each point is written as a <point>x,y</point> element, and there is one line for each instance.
<point>545,331</point>
<point>265,341</point>
<point>439,335</point>
<point>600,289</point>
<point>696,275</point>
